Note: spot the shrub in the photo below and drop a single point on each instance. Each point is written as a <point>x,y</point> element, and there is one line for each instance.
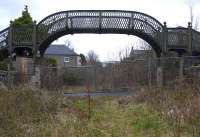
<point>3,65</point>
<point>52,61</point>
<point>72,78</point>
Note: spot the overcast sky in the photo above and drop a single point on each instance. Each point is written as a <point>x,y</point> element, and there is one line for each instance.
<point>174,12</point>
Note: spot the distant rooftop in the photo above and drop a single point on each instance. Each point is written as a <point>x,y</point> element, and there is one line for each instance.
<point>139,51</point>
<point>60,49</point>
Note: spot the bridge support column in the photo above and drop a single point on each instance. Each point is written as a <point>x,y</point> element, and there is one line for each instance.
<point>34,48</point>
<point>10,42</point>
<point>35,81</point>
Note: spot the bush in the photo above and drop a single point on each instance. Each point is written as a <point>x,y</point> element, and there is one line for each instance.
<point>3,65</point>
<point>52,62</point>
<point>72,78</point>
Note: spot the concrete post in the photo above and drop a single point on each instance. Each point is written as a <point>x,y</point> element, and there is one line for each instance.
<point>190,38</point>
<point>181,69</point>
<point>9,77</point>
<point>149,73</point>
<point>95,78</point>
<point>37,75</point>
<point>159,74</point>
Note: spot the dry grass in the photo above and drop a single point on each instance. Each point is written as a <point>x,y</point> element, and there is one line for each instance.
<point>155,113</point>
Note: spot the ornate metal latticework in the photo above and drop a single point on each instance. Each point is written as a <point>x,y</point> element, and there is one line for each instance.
<point>177,38</point>
<point>161,38</point>
<point>124,22</point>
<point>22,36</point>
<point>4,38</point>
<point>196,40</point>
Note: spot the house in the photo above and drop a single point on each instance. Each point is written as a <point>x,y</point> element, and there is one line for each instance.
<point>63,55</point>
<point>141,54</point>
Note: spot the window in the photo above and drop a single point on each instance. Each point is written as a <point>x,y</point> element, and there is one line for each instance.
<point>66,59</point>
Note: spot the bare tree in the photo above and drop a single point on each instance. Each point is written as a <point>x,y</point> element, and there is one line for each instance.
<point>143,51</point>
<point>124,53</point>
<point>92,57</point>
<point>193,19</point>
<point>69,44</point>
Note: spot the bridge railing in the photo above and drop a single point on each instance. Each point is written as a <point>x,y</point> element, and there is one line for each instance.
<point>125,22</point>
<point>22,35</point>
<point>4,38</point>
<point>177,38</point>
<point>196,40</point>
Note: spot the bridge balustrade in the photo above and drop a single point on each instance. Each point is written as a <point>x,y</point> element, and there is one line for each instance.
<point>161,38</point>
<point>177,38</point>
<point>196,40</point>
<point>4,38</point>
<point>22,36</point>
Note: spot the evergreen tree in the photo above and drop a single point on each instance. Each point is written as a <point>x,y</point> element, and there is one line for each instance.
<point>83,59</point>
<point>24,19</point>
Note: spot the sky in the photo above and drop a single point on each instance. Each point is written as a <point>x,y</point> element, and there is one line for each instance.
<point>174,12</point>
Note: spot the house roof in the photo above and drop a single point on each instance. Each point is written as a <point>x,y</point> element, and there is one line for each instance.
<point>136,52</point>
<point>60,49</point>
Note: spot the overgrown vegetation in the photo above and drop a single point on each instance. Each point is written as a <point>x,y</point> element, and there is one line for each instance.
<point>4,64</point>
<point>25,112</point>
<point>149,113</point>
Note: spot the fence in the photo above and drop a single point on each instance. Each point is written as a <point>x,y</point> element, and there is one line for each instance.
<point>117,76</point>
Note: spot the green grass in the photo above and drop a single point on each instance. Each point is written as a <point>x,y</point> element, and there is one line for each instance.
<point>111,120</point>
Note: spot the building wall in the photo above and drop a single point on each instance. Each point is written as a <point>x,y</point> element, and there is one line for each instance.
<point>73,60</point>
